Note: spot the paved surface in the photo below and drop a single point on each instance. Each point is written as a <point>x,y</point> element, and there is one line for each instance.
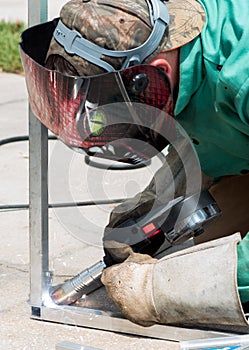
<point>18,9</point>
<point>75,235</point>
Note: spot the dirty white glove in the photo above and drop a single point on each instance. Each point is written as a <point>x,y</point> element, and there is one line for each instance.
<point>130,286</point>
<point>194,286</point>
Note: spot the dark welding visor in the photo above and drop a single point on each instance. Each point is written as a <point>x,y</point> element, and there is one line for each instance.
<point>123,115</point>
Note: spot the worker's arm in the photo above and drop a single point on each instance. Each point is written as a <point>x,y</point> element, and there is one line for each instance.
<point>242,105</point>
<point>195,286</point>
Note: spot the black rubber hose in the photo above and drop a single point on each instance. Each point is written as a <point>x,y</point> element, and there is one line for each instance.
<point>55,205</point>
<point>21,138</point>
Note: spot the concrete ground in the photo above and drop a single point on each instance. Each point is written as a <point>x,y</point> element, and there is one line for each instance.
<point>70,249</point>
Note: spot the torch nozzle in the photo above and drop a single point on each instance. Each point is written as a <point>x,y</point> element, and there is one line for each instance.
<point>84,283</point>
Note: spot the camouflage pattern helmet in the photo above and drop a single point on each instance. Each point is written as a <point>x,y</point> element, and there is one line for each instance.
<point>110,24</point>
<point>187,19</point>
<point>122,26</point>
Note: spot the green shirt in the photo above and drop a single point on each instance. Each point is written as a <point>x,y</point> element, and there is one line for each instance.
<point>243,269</point>
<point>213,101</point>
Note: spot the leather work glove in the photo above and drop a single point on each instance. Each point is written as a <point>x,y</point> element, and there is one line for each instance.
<point>116,252</point>
<point>187,287</point>
<point>129,285</point>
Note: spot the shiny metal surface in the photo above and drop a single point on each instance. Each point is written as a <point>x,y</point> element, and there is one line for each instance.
<point>84,283</point>
<point>105,321</point>
<point>38,188</point>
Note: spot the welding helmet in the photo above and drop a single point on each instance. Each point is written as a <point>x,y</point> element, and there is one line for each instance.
<point>101,114</point>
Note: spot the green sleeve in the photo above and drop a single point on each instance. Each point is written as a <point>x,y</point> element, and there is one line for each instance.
<point>243,269</point>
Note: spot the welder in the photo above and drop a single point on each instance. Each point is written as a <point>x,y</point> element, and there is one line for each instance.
<point>201,48</point>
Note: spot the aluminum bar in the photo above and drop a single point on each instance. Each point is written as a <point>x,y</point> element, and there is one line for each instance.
<point>38,191</point>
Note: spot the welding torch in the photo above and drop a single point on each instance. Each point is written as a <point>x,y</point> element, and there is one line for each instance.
<point>163,227</point>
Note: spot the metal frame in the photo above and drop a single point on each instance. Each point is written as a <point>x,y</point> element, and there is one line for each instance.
<point>40,279</point>
<point>38,184</point>
<point>97,319</point>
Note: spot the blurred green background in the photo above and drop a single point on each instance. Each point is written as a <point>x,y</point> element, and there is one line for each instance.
<point>10,61</point>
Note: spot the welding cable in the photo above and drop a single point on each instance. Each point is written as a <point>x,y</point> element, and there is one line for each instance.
<point>57,205</point>
<point>21,138</point>
<point>88,159</point>
<point>64,205</point>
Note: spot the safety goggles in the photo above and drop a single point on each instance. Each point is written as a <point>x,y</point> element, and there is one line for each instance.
<point>121,115</point>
